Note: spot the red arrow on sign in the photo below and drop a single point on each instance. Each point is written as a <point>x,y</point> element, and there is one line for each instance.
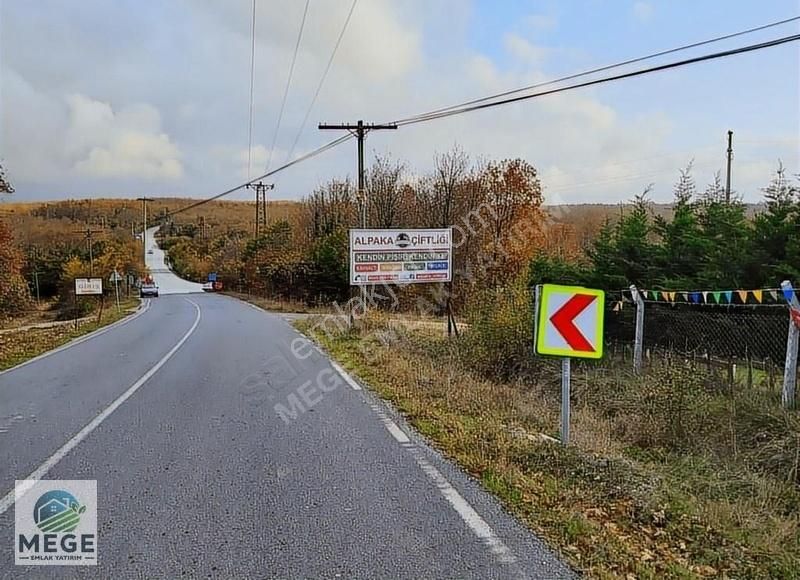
<point>563,321</point>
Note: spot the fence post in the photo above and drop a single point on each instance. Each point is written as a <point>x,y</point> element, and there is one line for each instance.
<point>639,338</point>
<point>790,370</point>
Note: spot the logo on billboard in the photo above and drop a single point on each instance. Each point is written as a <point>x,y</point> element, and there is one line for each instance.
<point>402,240</point>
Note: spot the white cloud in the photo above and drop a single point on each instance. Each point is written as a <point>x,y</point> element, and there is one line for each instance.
<point>524,50</point>
<point>643,11</point>
<point>127,143</point>
<point>169,113</point>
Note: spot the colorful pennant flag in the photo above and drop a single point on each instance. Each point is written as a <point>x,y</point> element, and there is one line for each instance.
<point>758,295</point>
<point>742,296</point>
<point>717,296</point>
<point>665,295</point>
<point>728,296</point>
<point>671,296</point>
<point>685,296</point>
<point>695,297</point>
<point>705,297</point>
<point>774,295</point>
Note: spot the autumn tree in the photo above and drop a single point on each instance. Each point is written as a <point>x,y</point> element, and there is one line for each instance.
<point>514,194</point>
<point>14,294</point>
<point>385,193</point>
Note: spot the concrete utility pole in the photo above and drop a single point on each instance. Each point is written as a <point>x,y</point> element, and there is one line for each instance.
<point>261,203</point>
<point>89,237</point>
<point>730,159</point>
<point>144,201</point>
<point>360,130</point>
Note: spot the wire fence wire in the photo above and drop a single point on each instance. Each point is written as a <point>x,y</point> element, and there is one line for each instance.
<point>742,343</point>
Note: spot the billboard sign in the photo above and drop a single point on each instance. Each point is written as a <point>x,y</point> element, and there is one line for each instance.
<point>400,256</point>
<point>88,286</point>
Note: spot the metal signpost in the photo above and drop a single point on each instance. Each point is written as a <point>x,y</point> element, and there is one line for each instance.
<point>400,256</point>
<point>115,278</point>
<point>792,341</point>
<point>569,324</point>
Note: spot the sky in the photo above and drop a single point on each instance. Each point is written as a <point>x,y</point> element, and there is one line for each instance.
<point>124,98</point>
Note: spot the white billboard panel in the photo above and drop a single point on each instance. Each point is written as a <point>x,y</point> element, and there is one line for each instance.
<point>400,256</point>
<point>88,286</point>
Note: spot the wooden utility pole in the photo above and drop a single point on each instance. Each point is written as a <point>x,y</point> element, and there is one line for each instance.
<point>360,130</point>
<point>261,203</point>
<point>89,237</point>
<point>728,177</point>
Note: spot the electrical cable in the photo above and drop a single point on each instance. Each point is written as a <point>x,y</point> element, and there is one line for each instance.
<point>288,83</point>
<point>322,79</point>
<point>252,78</point>
<point>604,68</point>
<point>309,155</point>
<point>640,72</point>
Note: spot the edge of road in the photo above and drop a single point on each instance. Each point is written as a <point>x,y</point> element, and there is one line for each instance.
<point>144,306</point>
<point>460,489</point>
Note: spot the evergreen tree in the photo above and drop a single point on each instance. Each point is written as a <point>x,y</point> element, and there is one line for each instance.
<point>683,246</point>
<point>726,234</point>
<point>775,248</point>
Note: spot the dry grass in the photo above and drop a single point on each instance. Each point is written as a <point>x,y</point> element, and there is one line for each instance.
<point>635,496</point>
<point>18,346</point>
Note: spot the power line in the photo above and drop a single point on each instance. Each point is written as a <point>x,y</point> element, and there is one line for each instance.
<point>322,79</point>
<point>458,111</point>
<point>309,155</point>
<point>252,78</point>
<point>288,83</point>
<point>640,72</point>
<point>600,69</point>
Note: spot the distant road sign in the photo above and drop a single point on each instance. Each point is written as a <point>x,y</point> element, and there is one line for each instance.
<point>212,277</point>
<point>570,321</point>
<point>400,256</point>
<point>88,286</point>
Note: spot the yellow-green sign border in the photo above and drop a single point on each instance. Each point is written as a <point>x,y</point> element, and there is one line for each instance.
<point>541,320</point>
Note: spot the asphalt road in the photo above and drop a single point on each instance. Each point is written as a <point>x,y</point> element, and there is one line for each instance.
<point>167,282</point>
<point>187,416</point>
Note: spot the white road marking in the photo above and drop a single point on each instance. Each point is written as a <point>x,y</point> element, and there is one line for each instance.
<point>348,379</point>
<point>390,425</point>
<point>51,461</point>
<point>144,308</point>
<point>472,518</point>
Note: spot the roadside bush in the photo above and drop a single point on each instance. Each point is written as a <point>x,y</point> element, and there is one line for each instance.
<point>500,338</point>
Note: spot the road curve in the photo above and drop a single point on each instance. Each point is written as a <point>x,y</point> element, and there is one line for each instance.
<point>168,283</point>
<point>207,469</point>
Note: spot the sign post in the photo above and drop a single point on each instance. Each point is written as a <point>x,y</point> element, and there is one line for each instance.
<point>88,287</point>
<point>569,324</point>
<point>115,278</point>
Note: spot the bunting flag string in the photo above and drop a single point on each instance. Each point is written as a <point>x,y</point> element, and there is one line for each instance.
<point>721,297</point>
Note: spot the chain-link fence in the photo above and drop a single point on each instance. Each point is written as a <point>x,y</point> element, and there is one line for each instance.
<point>732,343</point>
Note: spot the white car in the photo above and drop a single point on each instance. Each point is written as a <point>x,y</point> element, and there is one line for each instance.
<point>148,290</point>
